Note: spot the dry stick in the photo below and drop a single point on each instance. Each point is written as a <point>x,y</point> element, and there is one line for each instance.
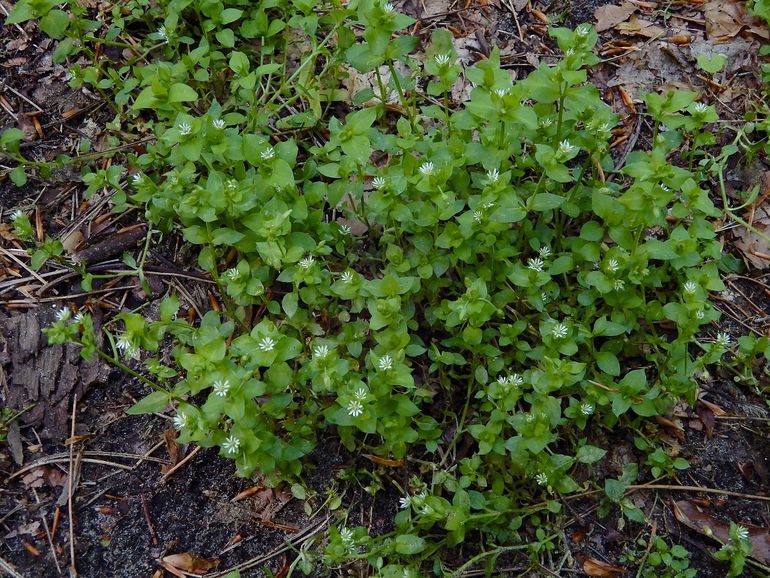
<point>48,535</point>
<point>6,566</point>
<point>186,459</point>
<point>21,264</point>
<point>512,8</point>
<point>72,569</point>
<point>60,457</point>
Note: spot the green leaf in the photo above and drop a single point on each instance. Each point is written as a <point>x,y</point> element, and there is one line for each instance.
<point>409,544</point>
<point>154,402</point>
<point>225,236</point>
<point>181,93</point>
<point>169,308</point>
<point>18,176</point>
<point>545,202</point>
<point>55,23</point>
<point>230,15</point>
<point>713,63</point>
<point>21,12</point>
<point>298,491</point>
<point>290,303</point>
<point>226,37</point>
<point>608,363</point>
<point>589,454</point>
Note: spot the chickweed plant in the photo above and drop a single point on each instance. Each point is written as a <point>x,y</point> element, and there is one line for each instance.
<point>473,287</point>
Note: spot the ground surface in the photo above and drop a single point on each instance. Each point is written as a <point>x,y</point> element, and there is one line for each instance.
<point>129,515</point>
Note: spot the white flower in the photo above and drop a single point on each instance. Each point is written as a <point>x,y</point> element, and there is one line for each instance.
<point>162,33</point>
<point>535,264</point>
<point>267,154</point>
<point>559,331</point>
<point>493,175</point>
<point>566,147</point>
<point>218,123</point>
<point>361,394</point>
<point>605,127</point>
<point>78,318</point>
<point>184,129</point>
<point>388,7</point>
<point>545,122</point>
<point>355,408</point>
<point>690,287</point>
<point>181,420</point>
<point>231,444</point>
<point>569,52</point>
<point>346,230</point>
<point>723,339</point>
<point>612,265</point>
<point>221,387</point>
<point>501,92</point>
<point>699,314</point>
<point>267,344</point>
<point>665,188</point>
<point>487,205</point>
<point>378,182</point>
<point>232,185</point>
<point>541,479</point>
<point>742,533</point>
<point>583,29</point>
<point>442,59</point>
<point>530,417</point>
<point>136,178</point>
<point>124,344</point>
<point>16,214</point>
<point>426,168</point>
<point>619,285</point>
<point>63,314</point>
<point>385,363</point>
<point>516,380</point>
<point>545,297</point>
<point>545,251</point>
<point>478,216</point>
<point>700,107</point>
<point>320,351</point>
<point>586,408</point>
<point>405,502</point>
<point>232,273</point>
<point>346,535</point>
<point>346,277</point>
<point>307,262</point>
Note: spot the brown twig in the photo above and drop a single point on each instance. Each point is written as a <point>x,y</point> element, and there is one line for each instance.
<point>70,508</point>
<point>186,459</point>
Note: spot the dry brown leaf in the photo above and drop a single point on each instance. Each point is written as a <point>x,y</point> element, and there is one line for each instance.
<point>602,569</point>
<point>640,27</point>
<point>723,18</point>
<point>384,461</point>
<point>187,562</point>
<point>713,407</point>
<point>693,517</point>
<point>755,248</point>
<point>174,450</point>
<point>706,416</point>
<point>609,16</point>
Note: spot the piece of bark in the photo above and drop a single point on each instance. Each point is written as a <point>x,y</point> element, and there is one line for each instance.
<point>42,375</point>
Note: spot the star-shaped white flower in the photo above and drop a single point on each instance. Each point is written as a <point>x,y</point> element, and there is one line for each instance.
<point>545,122</point>
<point>699,314</point>
<point>232,185</point>
<point>566,147</point>
<point>79,316</point>
<point>501,92</point>
<point>361,394</point>
<point>63,314</point>
<point>16,214</point>
<point>586,409</point>
<point>583,29</point>
<point>378,182</point>
<point>612,265</point>
<point>218,123</point>
<point>267,344</point>
<point>184,129</point>
<point>346,277</point>
<point>385,363</point>
<point>267,154</point>
<point>231,444</point>
<point>137,178</point>
<point>232,273</point>
<point>442,59</point>
<point>545,251</point>
<point>346,535</point>
<point>221,387</point>
<point>493,175</point>
<point>541,479</point>
<point>559,331</point>
<point>535,264</point>
<point>426,169</point>
<point>690,287</point>
<point>320,351</point>
<point>700,107</point>
<point>181,420</point>
<point>355,408</point>
<point>723,339</point>
<point>388,7</point>
<point>619,285</point>
<point>307,262</point>
<point>405,502</point>
<point>162,33</point>
<point>478,216</point>
<point>346,230</point>
<point>516,380</point>
<point>742,533</point>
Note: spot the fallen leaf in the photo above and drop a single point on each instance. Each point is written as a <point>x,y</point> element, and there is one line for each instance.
<point>640,27</point>
<point>602,569</point>
<point>723,18</point>
<point>384,461</point>
<point>174,450</point>
<point>189,563</point>
<point>693,517</point>
<point>609,16</point>
<point>706,416</point>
